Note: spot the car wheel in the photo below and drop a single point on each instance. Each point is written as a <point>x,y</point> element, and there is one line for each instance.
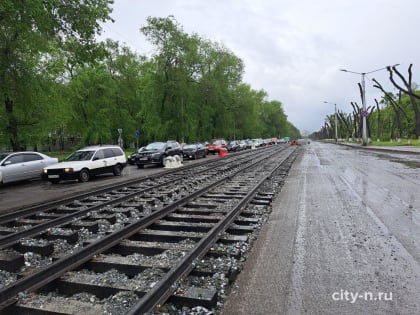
<point>117,170</point>
<point>84,176</point>
<point>162,161</point>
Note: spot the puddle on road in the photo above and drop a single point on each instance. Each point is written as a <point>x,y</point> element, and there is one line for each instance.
<point>409,163</point>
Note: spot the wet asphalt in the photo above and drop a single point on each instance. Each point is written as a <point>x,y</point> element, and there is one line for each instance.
<point>343,238</point>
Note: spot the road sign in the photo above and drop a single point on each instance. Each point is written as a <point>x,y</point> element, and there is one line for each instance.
<point>137,133</point>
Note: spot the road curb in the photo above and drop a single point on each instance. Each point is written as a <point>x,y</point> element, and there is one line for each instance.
<point>383,149</point>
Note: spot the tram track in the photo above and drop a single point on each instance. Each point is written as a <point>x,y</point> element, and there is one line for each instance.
<point>54,203</point>
<point>30,221</point>
<point>198,215</point>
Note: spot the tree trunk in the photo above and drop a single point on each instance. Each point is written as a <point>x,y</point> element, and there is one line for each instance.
<point>11,128</point>
<point>407,89</point>
<point>378,133</point>
<point>416,115</point>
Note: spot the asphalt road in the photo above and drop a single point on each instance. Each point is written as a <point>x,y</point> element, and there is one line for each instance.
<point>343,238</point>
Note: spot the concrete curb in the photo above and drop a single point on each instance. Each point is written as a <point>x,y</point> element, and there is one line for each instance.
<point>399,150</point>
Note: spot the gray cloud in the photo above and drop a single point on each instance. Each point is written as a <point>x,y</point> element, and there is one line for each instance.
<point>294,49</point>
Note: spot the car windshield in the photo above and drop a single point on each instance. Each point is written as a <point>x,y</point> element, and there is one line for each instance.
<point>155,146</point>
<point>216,142</point>
<point>3,156</point>
<point>80,156</point>
<point>190,146</point>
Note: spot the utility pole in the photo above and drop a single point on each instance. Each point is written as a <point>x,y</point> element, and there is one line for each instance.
<point>364,111</point>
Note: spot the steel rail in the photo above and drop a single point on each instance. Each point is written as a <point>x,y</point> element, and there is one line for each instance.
<point>70,262</point>
<point>8,240</point>
<point>49,205</point>
<point>58,268</point>
<point>165,287</point>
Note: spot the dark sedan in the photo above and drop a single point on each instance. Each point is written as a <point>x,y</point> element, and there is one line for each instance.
<point>132,157</point>
<point>233,146</point>
<point>194,151</point>
<point>155,153</point>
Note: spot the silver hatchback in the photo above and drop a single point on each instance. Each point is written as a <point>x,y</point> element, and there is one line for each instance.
<point>16,166</point>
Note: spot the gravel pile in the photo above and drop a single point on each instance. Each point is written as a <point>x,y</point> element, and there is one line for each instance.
<point>34,260</point>
<point>6,278</point>
<point>171,309</point>
<point>235,249</point>
<point>167,259</point>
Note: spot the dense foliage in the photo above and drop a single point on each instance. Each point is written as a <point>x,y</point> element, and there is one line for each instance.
<point>61,88</point>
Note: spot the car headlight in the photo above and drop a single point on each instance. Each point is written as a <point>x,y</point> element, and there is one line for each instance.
<point>68,170</point>
<point>45,171</point>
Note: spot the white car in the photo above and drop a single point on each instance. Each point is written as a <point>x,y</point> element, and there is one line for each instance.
<point>87,162</point>
<point>16,166</point>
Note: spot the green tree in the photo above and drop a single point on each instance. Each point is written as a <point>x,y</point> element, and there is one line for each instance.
<point>27,29</point>
<point>127,71</point>
<point>191,76</point>
<point>91,92</point>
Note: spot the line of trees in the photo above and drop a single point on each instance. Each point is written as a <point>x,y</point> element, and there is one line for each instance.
<point>60,85</point>
<point>394,117</point>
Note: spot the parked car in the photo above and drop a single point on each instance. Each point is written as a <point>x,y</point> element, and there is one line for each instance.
<point>16,166</point>
<point>132,157</point>
<point>194,151</point>
<point>156,152</point>
<point>242,144</point>
<point>215,145</point>
<point>258,142</point>
<point>266,142</point>
<point>250,144</point>
<point>87,162</point>
<point>233,146</point>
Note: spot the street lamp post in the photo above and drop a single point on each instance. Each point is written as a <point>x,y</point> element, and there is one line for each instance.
<point>364,111</point>
<point>335,118</point>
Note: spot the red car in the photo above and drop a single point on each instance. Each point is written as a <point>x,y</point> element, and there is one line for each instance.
<point>215,145</point>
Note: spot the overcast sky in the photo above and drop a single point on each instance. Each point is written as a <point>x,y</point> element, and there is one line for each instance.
<point>293,49</point>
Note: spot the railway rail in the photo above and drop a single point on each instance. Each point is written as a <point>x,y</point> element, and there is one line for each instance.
<point>136,243</point>
<point>30,221</point>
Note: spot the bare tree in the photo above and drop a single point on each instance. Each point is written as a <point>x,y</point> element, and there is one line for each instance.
<point>357,120</point>
<point>367,110</point>
<point>395,106</point>
<point>379,120</point>
<point>407,89</point>
<point>346,122</point>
